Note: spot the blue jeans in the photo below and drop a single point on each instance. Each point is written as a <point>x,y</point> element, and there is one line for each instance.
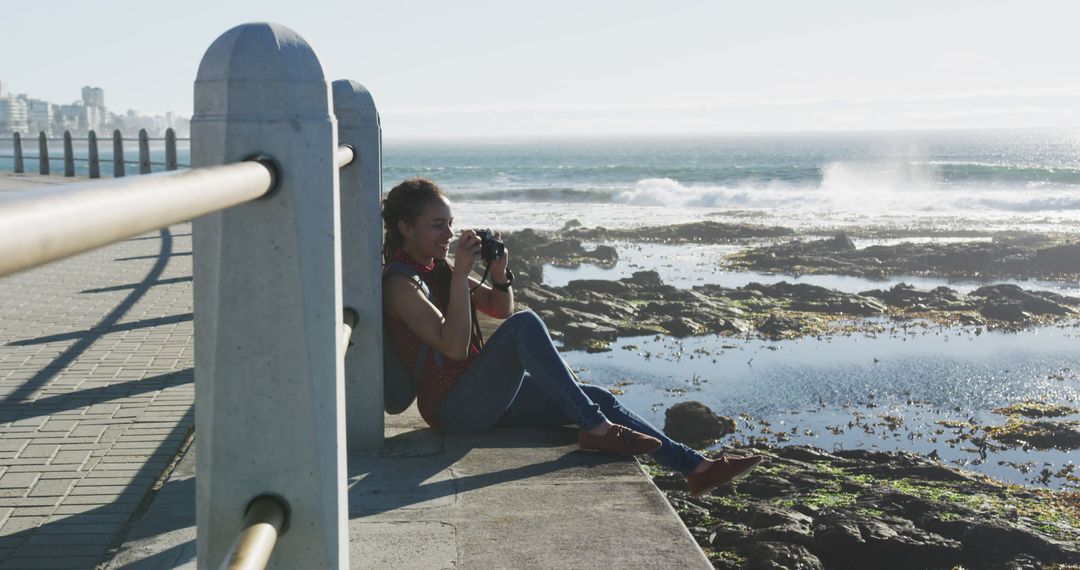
<point>519,380</point>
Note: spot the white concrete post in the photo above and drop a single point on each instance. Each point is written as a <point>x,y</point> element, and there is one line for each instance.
<point>269,396</point>
<point>361,263</point>
<point>43,153</point>
<point>92,155</point>
<point>117,154</point>
<point>144,152</point>
<point>69,155</point>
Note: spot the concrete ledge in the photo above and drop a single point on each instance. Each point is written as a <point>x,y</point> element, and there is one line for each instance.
<point>509,498</point>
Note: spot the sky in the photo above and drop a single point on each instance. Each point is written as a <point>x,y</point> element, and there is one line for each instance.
<point>470,68</point>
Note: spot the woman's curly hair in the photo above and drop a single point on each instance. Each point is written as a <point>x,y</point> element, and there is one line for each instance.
<point>405,202</point>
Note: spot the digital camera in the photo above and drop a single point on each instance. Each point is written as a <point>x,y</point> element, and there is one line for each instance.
<point>491,247</point>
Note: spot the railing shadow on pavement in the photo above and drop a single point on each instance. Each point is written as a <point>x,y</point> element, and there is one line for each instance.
<point>26,550</point>
<point>106,324</point>
<point>99,395</point>
<point>110,289</point>
<point>96,333</point>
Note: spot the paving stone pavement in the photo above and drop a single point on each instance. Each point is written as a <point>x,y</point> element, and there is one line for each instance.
<point>96,392</point>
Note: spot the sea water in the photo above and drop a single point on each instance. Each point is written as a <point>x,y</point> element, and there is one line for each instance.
<point>949,180</point>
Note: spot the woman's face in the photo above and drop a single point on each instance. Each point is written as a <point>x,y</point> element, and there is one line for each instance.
<point>430,235</point>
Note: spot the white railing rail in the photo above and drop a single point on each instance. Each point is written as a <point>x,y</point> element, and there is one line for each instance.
<point>286,237</point>
<point>42,227</point>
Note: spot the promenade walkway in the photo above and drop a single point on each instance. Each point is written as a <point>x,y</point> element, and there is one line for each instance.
<point>96,401</point>
<point>95,392</point>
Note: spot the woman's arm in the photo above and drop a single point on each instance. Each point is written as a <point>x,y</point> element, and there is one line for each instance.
<point>492,301</point>
<point>449,333</point>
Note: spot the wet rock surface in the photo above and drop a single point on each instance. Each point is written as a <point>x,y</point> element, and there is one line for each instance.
<point>695,232</point>
<point>809,508</point>
<point>643,304</point>
<point>1004,256</point>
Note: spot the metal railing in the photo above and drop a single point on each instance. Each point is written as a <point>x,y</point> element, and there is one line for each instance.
<point>92,153</point>
<point>286,235</point>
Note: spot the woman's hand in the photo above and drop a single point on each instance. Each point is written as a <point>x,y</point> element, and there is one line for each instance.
<point>498,267</point>
<point>467,253</point>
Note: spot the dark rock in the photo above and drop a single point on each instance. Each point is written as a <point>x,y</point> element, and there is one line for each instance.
<point>988,542</point>
<point>1041,434</point>
<point>597,285</point>
<point>766,486</point>
<point>681,327</point>
<point>760,515</point>
<point>577,334</point>
<point>777,327</point>
<point>1058,259</point>
<point>805,453</point>
<point>644,279</point>
<point>792,533</point>
<point>726,536</point>
<point>780,556</point>
<point>694,423</point>
<point>694,232</point>
<point>571,224</point>
<point>847,540</point>
<point>839,242</point>
<point>604,253</point>
<point>1018,562</point>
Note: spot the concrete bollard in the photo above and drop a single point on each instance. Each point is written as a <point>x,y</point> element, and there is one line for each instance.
<point>144,152</point>
<point>269,397</point>
<point>170,149</point>
<point>361,262</point>
<point>92,155</point>
<point>69,156</point>
<point>117,154</point>
<point>19,169</point>
<point>43,153</point>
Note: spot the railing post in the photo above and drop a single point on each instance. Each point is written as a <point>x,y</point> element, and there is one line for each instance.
<point>170,149</point>
<point>69,156</point>
<point>361,262</point>
<point>144,152</point>
<point>117,154</point>
<point>92,155</point>
<point>19,169</point>
<point>269,397</point>
<point>43,153</point>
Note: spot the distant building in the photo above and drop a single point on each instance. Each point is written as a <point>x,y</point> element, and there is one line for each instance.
<point>93,96</point>
<point>93,100</point>
<point>70,118</point>
<point>39,116</point>
<point>13,116</point>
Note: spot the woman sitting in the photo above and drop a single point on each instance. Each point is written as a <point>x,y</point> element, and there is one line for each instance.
<point>516,378</point>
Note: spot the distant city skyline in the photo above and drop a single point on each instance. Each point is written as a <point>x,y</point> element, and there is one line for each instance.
<point>23,113</point>
<point>562,68</point>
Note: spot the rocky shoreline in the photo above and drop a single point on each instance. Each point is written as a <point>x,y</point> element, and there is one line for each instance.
<point>591,313</point>
<point>805,507</point>
<point>808,507</point>
<point>855,509</point>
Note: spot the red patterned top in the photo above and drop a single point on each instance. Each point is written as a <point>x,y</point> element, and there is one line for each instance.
<point>435,381</point>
